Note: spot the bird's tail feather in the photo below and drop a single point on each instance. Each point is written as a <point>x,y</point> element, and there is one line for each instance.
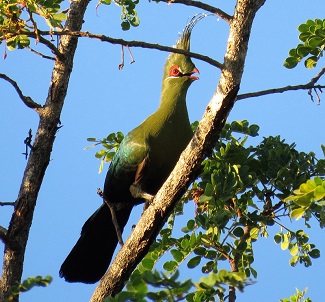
<point>92,254</point>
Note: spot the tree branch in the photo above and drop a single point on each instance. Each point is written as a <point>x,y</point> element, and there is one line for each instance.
<point>26,99</point>
<point>7,240</point>
<point>204,6</point>
<point>189,164</point>
<point>7,203</point>
<point>141,44</point>
<point>318,76</point>
<point>308,86</point>
<point>40,54</point>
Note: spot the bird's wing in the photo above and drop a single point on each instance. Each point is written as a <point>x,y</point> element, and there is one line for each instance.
<point>127,167</point>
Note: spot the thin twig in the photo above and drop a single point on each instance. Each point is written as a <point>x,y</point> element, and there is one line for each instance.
<point>7,203</point>
<point>40,54</point>
<point>204,6</point>
<point>318,76</point>
<point>26,99</point>
<point>279,90</point>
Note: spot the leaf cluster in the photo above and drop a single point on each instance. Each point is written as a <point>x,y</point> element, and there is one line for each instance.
<point>27,285</point>
<point>297,297</point>
<point>308,201</point>
<point>18,18</point>
<point>312,36</point>
<point>129,15</point>
<point>298,246</point>
<point>110,145</point>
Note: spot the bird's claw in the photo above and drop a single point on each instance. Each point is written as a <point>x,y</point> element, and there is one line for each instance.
<point>137,192</point>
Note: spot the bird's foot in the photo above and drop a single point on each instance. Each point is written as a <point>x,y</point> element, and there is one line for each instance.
<point>137,192</point>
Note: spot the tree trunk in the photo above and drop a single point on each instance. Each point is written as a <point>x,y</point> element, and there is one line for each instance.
<point>20,223</point>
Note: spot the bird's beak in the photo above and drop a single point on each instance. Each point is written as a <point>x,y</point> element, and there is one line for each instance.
<point>194,78</point>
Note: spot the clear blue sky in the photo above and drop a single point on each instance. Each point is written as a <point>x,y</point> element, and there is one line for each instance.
<point>101,99</point>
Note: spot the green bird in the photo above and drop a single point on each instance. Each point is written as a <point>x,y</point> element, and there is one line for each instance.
<point>144,160</point>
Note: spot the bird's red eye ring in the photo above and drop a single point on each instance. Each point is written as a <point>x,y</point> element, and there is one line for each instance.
<point>174,71</point>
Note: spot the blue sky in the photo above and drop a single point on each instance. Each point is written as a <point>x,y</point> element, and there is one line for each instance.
<point>101,99</point>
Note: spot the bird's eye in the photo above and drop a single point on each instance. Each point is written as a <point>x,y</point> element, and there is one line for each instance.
<point>174,71</point>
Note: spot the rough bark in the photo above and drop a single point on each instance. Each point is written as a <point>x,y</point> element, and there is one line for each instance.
<point>188,167</point>
<point>21,220</point>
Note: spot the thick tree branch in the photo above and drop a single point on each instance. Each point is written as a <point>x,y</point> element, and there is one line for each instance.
<point>204,6</point>
<point>189,164</point>
<point>39,157</point>
<point>26,99</point>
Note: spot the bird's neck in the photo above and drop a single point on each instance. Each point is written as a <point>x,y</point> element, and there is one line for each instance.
<point>172,109</point>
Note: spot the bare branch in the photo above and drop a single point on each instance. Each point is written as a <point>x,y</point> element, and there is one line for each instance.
<point>8,241</point>
<point>7,203</point>
<point>26,99</point>
<point>204,6</point>
<point>308,86</point>
<point>40,54</point>
<point>3,234</point>
<point>48,44</point>
<point>126,43</point>
<point>318,76</point>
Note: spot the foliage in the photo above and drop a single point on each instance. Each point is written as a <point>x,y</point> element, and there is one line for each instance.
<point>111,142</point>
<point>19,18</point>
<point>28,284</point>
<point>242,192</point>
<point>297,297</point>
<point>312,36</point>
<point>129,15</point>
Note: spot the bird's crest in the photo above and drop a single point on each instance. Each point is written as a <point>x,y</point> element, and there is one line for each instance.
<point>184,41</point>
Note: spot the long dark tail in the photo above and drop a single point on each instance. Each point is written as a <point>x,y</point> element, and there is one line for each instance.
<point>92,254</point>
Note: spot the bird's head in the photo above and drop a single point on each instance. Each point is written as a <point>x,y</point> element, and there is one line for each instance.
<point>179,69</point>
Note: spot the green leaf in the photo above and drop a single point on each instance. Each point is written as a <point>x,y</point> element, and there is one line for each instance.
<point>303,201</point>
<point>170,266</point>
<point>277,238</point>
<point>285,242</point>
<point>200,251</point>
<point>125,25</point>
<point>291,62</point>
<point>303,28</point>
<point>294,260</point>
<point>148,263</point>
<point>91,139</point>
<point>238,232</point>
<point>315,42</point>
<point>315,253</point>
<point>319,192</point>
<point>190,225</point>
<point>297,213</point>
<point>294,250</point>
<point>194,262</point>
<point>311,62</point>
<point>303,51</point>
<point>177,255</point>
